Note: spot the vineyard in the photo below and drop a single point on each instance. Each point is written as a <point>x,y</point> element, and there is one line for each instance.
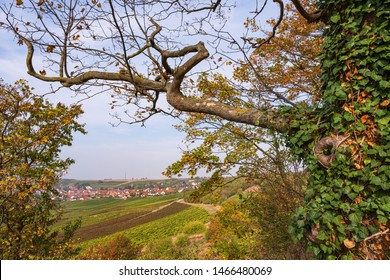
<point>100,210</point>
<point>159,228</point>
<point>141,220</point>
<point>127,221</point>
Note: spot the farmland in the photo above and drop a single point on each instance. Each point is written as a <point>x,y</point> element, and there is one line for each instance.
<point>159,228</point>
<point>142,220</point>
<point>127,221</point>
<point>100,210</point>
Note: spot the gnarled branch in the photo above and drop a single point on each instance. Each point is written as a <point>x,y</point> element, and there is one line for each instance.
<point>178,100</point>
<point>325,149</point>
<point>310,17</point>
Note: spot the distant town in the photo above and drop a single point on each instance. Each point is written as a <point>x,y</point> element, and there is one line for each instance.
<point>107,188</point>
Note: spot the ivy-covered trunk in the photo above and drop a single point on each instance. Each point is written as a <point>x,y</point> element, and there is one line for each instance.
<point>345,139</point>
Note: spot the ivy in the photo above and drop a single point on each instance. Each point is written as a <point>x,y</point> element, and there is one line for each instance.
<point>348,202</point>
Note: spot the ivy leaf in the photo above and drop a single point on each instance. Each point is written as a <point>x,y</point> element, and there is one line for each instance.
<point>384,121</point>
<point>385,207</point>
<point>335,18</point>
<point>355,218</point>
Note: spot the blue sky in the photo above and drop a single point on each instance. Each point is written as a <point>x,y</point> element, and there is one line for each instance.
<point>107,152</point>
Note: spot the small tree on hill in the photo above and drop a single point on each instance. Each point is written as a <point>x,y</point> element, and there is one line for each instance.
<point>32,132</point>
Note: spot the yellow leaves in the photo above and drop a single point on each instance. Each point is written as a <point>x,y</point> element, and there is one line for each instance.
<point>385,103</point>
<point>76,37</point>
<point>372,144</point>
<point>352,71</point>
<point>50,48</point>
<point>359,166</point>
<point>348,108</point>
<point>349,243</point>
<point>19,2</point>
<point>362,97</point>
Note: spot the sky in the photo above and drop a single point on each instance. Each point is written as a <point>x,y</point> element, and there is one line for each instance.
<point>124,152</point>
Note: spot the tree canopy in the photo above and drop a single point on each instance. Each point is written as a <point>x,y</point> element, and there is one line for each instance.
<point>32,134</point>
<point>338,127</point>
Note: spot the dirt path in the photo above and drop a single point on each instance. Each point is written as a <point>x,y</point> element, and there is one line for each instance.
<point>212,209</point>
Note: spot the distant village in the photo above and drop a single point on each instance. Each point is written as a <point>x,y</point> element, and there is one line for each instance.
<point>74,192</point>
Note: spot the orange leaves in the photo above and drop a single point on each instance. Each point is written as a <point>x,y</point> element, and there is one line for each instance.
<point>19,2</point>
<point>349,243</point>
<point>50,48</point>
<point>348,108</point>
<point>365,118</point>
<point>34,131</point>
<point>362,97</point>
<point>385,103</point>
<point>358,166</point>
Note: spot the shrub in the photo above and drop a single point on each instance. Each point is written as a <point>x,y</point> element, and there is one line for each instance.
<point>117,248</point>
<point>194,227</point>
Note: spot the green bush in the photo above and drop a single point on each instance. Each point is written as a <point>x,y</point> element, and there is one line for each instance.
<point>117,248</point>
<point>194,227</point>
<point>182,240</point>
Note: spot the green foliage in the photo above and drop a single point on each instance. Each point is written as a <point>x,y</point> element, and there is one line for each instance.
<point>255,226</point>
<point>117,248</point>
<point>232,235</point>
<point>345,213</point>
<point>180,247</point>
<point>32,132</point>
<point>194,228</point>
